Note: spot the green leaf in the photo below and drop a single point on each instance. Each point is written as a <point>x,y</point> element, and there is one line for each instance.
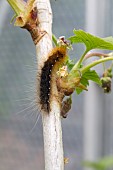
<point>91,41</point>
<point>102,164</point>
<point>93,165</point>
<point>88,75</point>
<point>92,75</point>
<point>70,64</point>
<point>106,162</point>
<point>78,90</point>
<point>83,81</point>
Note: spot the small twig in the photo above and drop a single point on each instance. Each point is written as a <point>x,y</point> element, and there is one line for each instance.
<point>111,66</point>
<point>94,63</point>
<point>88,55</point>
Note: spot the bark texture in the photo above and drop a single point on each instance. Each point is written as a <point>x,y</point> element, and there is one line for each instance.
<point>52,131</point>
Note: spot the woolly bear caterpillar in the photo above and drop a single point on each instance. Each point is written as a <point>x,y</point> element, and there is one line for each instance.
<point>56,59</point>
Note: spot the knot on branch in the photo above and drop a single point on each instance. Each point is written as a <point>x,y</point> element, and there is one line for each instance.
<point>32,26</point>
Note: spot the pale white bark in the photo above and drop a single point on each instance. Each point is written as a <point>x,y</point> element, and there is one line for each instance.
<point>52,131</point>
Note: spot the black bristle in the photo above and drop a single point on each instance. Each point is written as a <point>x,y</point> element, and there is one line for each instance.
<point>45,85</point>
<point>45,80</point>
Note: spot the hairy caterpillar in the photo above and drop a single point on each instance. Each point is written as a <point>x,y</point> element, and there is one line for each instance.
<point>56,59</point>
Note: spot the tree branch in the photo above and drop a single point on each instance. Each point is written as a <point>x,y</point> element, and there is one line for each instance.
<point>52,130</point>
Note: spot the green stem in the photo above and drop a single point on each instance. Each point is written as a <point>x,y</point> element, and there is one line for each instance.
<point>77,65</point>
<point>111,66</point>
<point>84,69</point>
<point>104,66</point>
<point>17,6</point>
<point>81,59</point>
<point>54,39</point>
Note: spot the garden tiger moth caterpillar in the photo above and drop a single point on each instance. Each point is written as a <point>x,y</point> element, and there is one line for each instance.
<point>56,59</point>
